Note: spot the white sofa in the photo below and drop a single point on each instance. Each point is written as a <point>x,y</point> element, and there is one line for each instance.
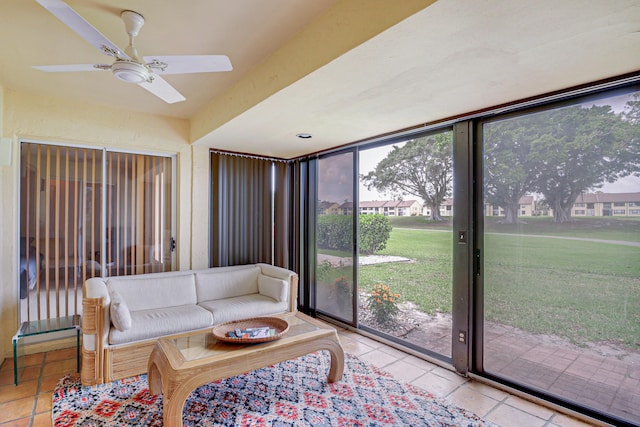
<point>124,316</point>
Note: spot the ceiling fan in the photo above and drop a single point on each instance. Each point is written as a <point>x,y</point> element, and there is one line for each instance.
<point>128,66</point>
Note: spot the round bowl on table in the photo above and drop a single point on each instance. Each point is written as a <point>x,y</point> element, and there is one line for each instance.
<point>281,328</point>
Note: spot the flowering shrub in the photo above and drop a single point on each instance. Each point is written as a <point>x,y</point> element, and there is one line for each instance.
<point>343,286</point>
<point>383,303</point>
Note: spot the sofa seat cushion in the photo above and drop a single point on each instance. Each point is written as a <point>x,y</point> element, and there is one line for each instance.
<point>157,322</point>
<point>242,307</point>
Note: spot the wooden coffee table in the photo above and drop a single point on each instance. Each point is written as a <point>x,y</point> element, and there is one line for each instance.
<point>181,363</point>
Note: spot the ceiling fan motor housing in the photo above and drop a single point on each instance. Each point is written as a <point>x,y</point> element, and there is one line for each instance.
<point>133,21</point>
<point>130,72</point>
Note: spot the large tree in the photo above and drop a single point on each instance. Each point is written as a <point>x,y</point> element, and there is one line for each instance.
<point>559,153</point>
<point>631,116</point>
<point>509,169</point>
<point>580,148</point>
<point>422,167</point>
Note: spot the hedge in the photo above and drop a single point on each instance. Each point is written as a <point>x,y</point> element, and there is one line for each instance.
<point>335,232</point>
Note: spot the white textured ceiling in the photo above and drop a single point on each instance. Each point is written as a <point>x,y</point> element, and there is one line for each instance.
<point>449,58</point>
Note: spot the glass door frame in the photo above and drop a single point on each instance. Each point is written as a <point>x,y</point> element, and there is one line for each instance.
<point>463,253</point>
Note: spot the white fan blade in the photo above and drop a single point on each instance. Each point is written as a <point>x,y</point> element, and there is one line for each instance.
<point>77,23</point>
<point>185,64</point>
<point>163,90</point>
<point>71,67</point>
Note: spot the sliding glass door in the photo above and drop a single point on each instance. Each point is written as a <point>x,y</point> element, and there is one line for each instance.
<point>405,241</point>
<point>384,240</point>
<point>562,252</point>
<point>336,258</point>
<point>88,212</point>
<point>138,211</point>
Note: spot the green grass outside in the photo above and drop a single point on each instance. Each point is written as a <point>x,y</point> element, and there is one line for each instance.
<point>605,228</point>
<point>584,291</point>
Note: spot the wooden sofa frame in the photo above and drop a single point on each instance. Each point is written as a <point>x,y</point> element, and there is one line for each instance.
<point>105,365</point>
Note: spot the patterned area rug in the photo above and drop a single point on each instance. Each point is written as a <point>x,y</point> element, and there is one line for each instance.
<point>292,393</point>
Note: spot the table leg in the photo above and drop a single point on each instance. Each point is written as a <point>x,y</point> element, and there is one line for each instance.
<point>172,408</point>
<point>155,379</point>
<point>337,360</point>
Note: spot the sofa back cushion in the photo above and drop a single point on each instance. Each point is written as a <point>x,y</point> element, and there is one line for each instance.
<point>227,282</point>
<point>277,289</point>
<point>156,290</point>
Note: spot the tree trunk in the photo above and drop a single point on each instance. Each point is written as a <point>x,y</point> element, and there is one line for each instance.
<point>511,213</point>
<point>435,213</point>
<point>560,214</point>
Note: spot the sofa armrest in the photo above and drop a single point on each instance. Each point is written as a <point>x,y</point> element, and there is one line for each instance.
<point>96,287</point>
<point>290,276</point>
<point>95,329</point>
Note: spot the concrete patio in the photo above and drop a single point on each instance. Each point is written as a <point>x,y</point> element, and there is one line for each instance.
<point>604,377</point>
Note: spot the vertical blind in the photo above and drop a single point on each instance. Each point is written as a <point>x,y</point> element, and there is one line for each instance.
<point>85,213</point>
<point>59,225</point>
<point>138,222</point>
<point>249,211</point>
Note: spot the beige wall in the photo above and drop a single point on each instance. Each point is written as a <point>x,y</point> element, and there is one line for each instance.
<point>30,117</point>
<point>4,177</point>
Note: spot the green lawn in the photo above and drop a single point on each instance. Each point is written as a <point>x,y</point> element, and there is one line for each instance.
<point>427,281</point>
<point>606,228</point>
<point>580,290</point>
<point>584,291</point>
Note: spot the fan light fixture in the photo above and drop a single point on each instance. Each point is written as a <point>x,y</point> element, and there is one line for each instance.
<point>130,72</point>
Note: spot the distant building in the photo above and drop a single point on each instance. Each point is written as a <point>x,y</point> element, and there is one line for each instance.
<point>391,207</point>
<point>592,204</point>
<point>346,208</point>
<point>526,207</point>
<point>328,208</point>
<point>607,204</point>
<point>382,207</point>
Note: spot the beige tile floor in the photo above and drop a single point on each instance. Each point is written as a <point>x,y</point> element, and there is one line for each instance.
<point>29,404</point>
<point>495,405</point>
